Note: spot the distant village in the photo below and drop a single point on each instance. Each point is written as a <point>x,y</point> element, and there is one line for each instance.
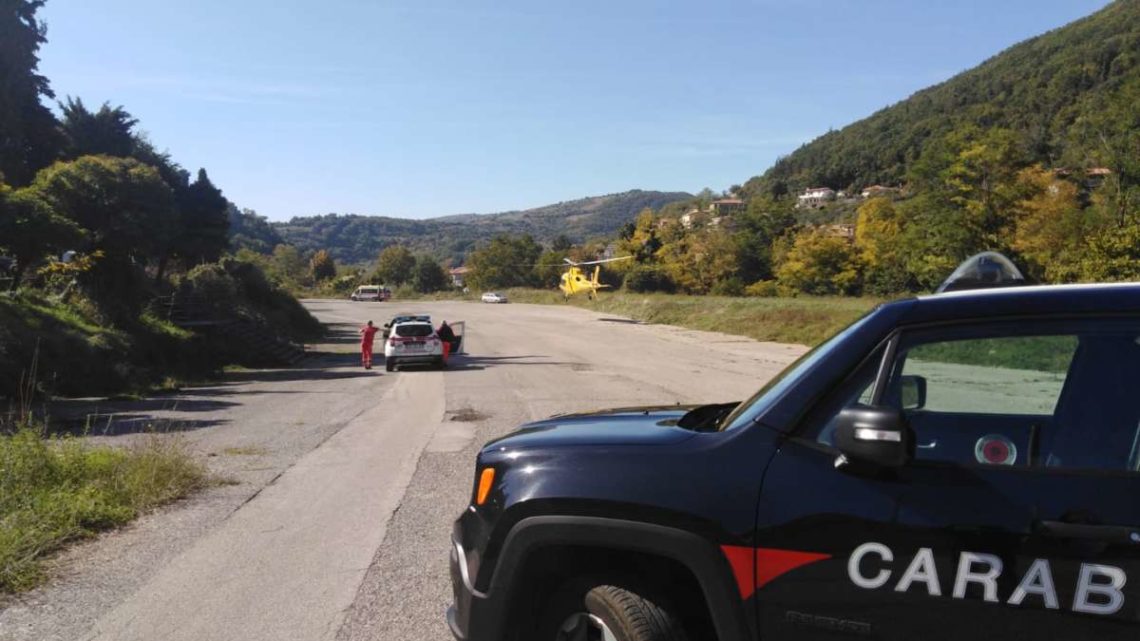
<point>720,212</point>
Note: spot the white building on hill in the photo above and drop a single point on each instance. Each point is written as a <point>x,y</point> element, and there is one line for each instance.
<point>815,197</point>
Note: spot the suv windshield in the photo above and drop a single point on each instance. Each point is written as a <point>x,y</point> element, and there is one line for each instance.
<point>750,410</point>
<point>413,331</point>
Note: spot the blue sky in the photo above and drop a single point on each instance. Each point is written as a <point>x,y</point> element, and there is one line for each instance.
<point>420,108</point>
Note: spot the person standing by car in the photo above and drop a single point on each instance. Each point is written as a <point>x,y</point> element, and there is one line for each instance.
<point>447,337</point>
<point>367,335</point>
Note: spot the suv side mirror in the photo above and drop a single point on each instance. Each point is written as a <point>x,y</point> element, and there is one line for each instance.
<point>912,392</point>
<point>876,435</point>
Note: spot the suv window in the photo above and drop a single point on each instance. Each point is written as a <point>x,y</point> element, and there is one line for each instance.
<point>1006,375</point>
<point>1053,394</point>
<point>415,330</point>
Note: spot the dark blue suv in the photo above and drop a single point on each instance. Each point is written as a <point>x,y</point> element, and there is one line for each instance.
<point>962,465</point>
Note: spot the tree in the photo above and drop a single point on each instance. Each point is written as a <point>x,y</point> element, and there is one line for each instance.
<point>1111,132</point>
<point>643,278</point>
<point>321,266</point>
<point>127,212</point>
<point>396,265</point>
<point>550,266</point>
<point>288,266</point>
<point>249,230</point>
<point>878,230</point>
<point>429,276</point>
<point>1051,229</point>
<point>1113,254</point>
<point>642,242</point>
<point>203,222</point>
<point>30,229</point>
<point>107,132</point>
<point>29,139</point>
<point>125,207</point>
<point>506,261</point>
<point>967,189</point>
<point>757,227</point>
<point>820,264</point>
<point>698,261</point>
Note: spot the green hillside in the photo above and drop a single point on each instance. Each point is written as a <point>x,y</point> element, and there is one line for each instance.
<point>1045,89</point>
<point>358,239</point>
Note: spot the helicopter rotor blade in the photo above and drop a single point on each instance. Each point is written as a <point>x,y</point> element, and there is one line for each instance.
<point>607,260</point>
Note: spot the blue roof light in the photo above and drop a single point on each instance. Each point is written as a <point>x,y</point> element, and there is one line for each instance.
<point>983,271</point>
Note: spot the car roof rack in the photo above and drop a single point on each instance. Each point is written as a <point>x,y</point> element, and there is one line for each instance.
<point>983,271</point>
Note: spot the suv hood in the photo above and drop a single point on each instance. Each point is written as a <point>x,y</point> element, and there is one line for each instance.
<point>626,426</point>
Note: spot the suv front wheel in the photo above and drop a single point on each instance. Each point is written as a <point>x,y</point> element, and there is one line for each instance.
<point>608,613</point>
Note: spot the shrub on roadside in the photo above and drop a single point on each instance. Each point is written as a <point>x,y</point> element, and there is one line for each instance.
<point>728,287</point>
<point>762,289</point>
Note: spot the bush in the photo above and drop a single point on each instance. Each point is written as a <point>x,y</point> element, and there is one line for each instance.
<point>237,288</point>
<point>643,279</point>
<point>762,289</point>
<point>730,287</point>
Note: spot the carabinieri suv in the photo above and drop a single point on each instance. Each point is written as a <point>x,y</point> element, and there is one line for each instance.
<point>961,465</point>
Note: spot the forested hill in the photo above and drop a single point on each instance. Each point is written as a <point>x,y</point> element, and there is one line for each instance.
<point>358,239</point>
<point>1045,89</point>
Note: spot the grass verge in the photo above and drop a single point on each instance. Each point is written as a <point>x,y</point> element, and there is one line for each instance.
<point>56,490</point>
<point>805,320</point>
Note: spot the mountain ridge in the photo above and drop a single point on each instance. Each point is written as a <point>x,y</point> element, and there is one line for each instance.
<point>356,238</point>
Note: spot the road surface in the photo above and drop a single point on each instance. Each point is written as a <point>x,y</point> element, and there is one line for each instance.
<point>341,484</point>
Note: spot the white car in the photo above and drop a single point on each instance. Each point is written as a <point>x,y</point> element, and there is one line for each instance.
<point>413,342</point>
<point>494,297</point>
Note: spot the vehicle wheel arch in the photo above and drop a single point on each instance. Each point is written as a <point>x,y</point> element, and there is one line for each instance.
<point>545,554</point>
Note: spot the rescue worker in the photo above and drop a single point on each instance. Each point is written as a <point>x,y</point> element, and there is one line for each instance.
<point>367,335</point>
<point>447,336</point>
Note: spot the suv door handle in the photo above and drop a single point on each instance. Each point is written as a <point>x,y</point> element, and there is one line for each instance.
<point>1105,533</point>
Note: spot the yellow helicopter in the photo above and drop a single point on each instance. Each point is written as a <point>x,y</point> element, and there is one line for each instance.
<point>574,280</point>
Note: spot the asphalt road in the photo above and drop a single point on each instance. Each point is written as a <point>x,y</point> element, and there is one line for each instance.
<point>342,483</point>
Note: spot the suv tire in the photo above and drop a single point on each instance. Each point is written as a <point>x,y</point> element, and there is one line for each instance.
<point>626,615</point>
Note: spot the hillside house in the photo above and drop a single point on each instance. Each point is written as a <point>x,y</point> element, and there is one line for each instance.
<point>846,231</point>
<point>726,207</point>
<point>876,191</point>
<point>457,275</point>
<point>815,197</point>
<point>1094,176</point>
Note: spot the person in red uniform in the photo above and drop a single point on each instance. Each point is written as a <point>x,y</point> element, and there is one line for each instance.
<point>367,335</point>
<point>447,337</point>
